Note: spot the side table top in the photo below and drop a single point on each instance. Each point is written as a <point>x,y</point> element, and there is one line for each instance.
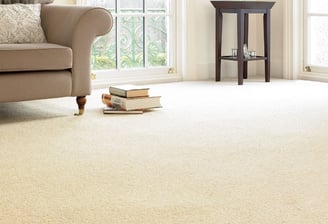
<point>242,4</point>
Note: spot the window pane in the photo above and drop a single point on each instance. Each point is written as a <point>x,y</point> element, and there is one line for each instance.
<point>157,41</point>
<point>131,45</point>
<point>104,52</point>
<point>102,3</point>
<point>157,6</point>
<point>110,5</point>
<point>318,6</point>
<point>318,40</point>
<point>128,6</point>
<point>132,42</point>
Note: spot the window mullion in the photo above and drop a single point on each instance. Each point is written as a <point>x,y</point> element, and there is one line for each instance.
<point>118,31</point>
<point>145,28</point>
<point>306,56</point>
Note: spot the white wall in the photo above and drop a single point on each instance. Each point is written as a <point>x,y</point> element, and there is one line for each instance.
<point>64,1</point>
<point>200,31</point>
<point>200,37</point>
<point>276,40</point>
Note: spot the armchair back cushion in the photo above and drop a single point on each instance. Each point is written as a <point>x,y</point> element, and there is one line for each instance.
<point>21,23</point>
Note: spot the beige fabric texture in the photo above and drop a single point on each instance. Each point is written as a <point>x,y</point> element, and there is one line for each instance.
<point>73,28</point>
<point>216,153</point>
<point>35,85</point>
<point>57,26</point>
<point>25,1</point>
<point>21,23</point>
<point>34,57</point>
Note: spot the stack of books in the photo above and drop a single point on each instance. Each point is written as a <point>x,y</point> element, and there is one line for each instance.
<point>129,99</point>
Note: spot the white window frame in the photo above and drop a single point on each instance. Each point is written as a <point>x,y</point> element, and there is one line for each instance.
<point>103,78</point>
<point>307,68</point>
<point>293,44</point>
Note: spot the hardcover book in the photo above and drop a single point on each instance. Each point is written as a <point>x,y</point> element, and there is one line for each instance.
<point>114,110</point>
<point>106,99</point>
<point>136,103</point>
<point>129,90</point>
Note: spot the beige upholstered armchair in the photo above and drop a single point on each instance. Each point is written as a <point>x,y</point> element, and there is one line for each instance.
<point>58,67</point>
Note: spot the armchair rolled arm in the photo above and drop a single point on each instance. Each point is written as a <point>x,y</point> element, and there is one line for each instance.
<point>76,27</point>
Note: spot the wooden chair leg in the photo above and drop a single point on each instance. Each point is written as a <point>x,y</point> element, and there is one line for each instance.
<point>81,101</point>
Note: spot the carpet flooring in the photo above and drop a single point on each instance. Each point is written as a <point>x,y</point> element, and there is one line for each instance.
<point>216,153</point>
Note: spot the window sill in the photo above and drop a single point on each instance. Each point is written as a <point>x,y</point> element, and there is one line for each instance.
<point>116,79</point>
<point>313,76</point>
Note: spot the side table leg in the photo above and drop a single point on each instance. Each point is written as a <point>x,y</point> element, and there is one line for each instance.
<point>267,43</point>
<point>246,42</point>
<point>240,56</point>
<point>218,52</point>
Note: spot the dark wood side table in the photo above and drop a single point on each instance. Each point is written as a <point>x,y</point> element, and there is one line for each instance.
<point>242,9</point>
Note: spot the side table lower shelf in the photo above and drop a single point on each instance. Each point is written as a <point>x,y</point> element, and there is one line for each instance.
<point>242,66</point>
<point>233,58</point>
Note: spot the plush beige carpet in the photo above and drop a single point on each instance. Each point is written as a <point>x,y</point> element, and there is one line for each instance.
<point>216,153</point>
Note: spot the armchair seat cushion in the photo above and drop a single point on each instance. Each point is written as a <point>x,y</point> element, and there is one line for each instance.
<point>34,57</point>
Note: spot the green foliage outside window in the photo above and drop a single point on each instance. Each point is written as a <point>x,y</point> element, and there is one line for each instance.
<point>132,45</point>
